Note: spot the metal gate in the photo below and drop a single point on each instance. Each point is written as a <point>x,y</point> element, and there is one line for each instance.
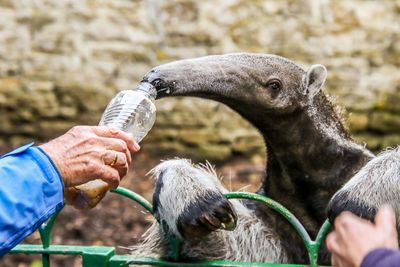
<point>105,256</point>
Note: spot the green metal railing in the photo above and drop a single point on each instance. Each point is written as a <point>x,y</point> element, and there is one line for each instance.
<point>105,256</point>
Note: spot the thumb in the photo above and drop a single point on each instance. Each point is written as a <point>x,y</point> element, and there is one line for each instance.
<point>385,218</point>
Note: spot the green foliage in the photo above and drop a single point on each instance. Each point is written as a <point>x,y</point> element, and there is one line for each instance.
<point>36,263</point>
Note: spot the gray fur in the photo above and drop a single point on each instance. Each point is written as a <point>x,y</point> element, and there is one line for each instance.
<point>314,80</point>
<point>309,153</point>
<point>185,183</point>
<point>377,183</point>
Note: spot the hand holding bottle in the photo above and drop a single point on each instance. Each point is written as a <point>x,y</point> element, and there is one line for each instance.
<point>131,111</point>
<point>85,153</point>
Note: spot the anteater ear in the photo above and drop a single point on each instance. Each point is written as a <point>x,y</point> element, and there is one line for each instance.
<point>314,79</point>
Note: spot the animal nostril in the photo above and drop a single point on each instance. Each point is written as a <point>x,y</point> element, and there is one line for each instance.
<point>161,86</point>
<point>158,83</point>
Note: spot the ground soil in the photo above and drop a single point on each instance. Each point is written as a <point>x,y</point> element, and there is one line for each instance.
<point>119,222</point>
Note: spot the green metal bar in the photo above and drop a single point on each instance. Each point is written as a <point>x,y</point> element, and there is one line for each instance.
<point>316,245</point>
<point>312,247</point>
<point>105,256</point>
<point>323,232</point>
<point>91,255</point>
<point>62,250</point>
<point>135,197</point>
<point>45,230</point>
<point>125,260</point>
<point>98,256</point>
<point>286,214</point>
<point>45,236</point>
<point>276,207</point>
<point>45,260</point>
<point>174,242</point>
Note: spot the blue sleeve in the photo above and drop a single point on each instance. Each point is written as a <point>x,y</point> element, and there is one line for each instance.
<point>382,257</point>
<point>31,190</point>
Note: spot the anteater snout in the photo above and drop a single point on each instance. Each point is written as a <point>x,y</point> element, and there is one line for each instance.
<point>159,81</point>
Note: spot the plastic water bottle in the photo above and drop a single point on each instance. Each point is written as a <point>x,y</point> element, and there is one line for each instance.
<point>132,111</point>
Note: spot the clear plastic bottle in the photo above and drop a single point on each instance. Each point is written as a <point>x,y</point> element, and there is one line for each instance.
<point>132,111</point>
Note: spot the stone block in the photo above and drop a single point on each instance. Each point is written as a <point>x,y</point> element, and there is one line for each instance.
<point>357,122</point>
<point>36,19</point>
<point>212,152</point>
<point>6,3</point>
<point>60,64</point>
<point>122,51</point>
<point>10,84</point>
<point>391,141</point>
<point>196,137</point>
<point>68,112</point>
<point>384,122</point>
<point>170,147</point>
<point>87,97</point>
<point>48,129</point>
<point>18,140</point>
<point>389,101</point>
<point>248,145</point>
<point>40,104</point>
<point>371,141</point>
<point>38,86</point>
<point>8,126</point>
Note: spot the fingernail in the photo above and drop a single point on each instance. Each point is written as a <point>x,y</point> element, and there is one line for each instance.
<point>114,131</point>
<point>136,146</point>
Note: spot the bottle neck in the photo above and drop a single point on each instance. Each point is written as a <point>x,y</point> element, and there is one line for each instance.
<point>148,89</point>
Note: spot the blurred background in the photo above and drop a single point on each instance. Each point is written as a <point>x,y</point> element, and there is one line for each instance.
<point>62,61</point>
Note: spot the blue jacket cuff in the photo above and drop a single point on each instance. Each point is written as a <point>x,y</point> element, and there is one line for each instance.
<point>381,257</point>
<point>31,190</point>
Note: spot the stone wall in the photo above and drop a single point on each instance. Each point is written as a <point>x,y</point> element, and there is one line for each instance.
<point>61,62</point>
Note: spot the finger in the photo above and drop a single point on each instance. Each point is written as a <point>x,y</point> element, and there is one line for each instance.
<point>122,171</point>
<point>128,157</point>
<point>347,225</point>
<point>338,261</point>
<point>347,215</point>
<point>347,220</point>
<point>385,221</point>
<point>117,145</point>
<point>110,176</point>
<point>114,159</point>
<point>113,143</point>
<point>334,260</point>
<point>335,244</point>
<point>385,218</point>
<point>115,133</point>
<point>331,242</point>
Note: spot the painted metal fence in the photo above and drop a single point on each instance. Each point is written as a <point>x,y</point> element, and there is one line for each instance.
<point>105,256</point>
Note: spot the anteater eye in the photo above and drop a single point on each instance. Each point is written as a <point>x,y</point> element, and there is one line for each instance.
<point>274,85</point>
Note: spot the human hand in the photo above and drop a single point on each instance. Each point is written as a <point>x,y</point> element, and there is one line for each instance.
<point>354,237</point>
<point>85,153</point>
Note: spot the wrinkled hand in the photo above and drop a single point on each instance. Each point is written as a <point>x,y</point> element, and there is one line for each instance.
<point>85,153</point>
<point>354,238</point>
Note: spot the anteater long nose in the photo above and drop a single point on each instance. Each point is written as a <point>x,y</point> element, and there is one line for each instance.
<point>153,77</point>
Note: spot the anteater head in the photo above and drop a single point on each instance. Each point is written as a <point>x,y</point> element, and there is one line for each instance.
<point>244,81</point>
